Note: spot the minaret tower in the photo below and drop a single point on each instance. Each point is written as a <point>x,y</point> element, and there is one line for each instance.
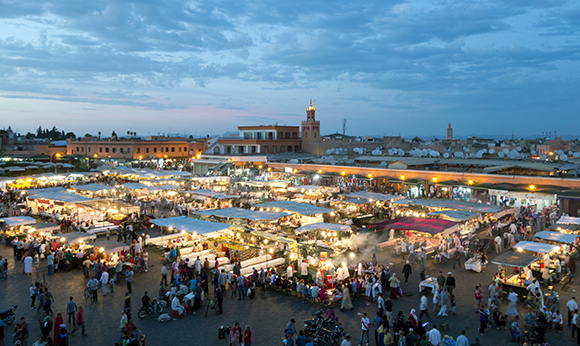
<point>311,132</point>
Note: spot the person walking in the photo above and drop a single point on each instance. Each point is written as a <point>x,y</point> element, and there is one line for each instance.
<point>377,324</point>
<point>164,275</point>
<point>434,337</point>
<point>394,284</point>
<point>571,305</point>
<point>129,278</point>
<point>71,309</point>
<point>450,283</point>
<point>104,281</point>
<point>457,259</point>
<point>443,300</point>
<point>498,243</point>
<point>248,336</point>
<point>291,328</point>
<point>424,306</point>
<point>364,329</point>
<point>407,270</point>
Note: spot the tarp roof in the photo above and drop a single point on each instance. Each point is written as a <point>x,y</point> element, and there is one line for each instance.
<point>135,186</point>
<point>431,226</point>
<point>455,215</point>
<point>18,220</point>
<point>355,200</point>
<point>210,194</point>
<point>212,178</point>
<point>295,207</point>
<point>62,196</point>
<point>306,187</point>
<point>514,259</point>
<point>324,226</point>
<point>450,204</point>
<point>92,187</point>
<point>373,195</point>
<point>75,237</point>
<point>259,183</point>
<point>164,187</point>
<point>44,226</point>
<point>110,246</point>
<point>536,247</point>
<point>569,227</point>
<point>569,220</point>
<point>271,237</point>
<point>190,225</point>
<point>239,213</point>
<point>557,237</point>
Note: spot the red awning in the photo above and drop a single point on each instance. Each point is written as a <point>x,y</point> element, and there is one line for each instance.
<point>431,226</point>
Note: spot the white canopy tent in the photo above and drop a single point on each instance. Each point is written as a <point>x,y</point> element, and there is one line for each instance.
<point>92,187</point>
<point>75,237</point>
<point>109,246</point>
<point>18,221</point>
<point>536,247</point>
<point>373,196</point>
<point>239,213</point>
<point>324,226</point>
<point>569,220</point>
<point>557,237</point>
<point>294,207</point>
<point>190,225</point>
<point>455,215</point>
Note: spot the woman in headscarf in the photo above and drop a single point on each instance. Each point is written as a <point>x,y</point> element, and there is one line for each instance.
<point>57,322</point>
<point>346,303</point>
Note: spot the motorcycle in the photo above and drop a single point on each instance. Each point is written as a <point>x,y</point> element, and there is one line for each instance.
<point>9,315</point>
<point>154,309</point>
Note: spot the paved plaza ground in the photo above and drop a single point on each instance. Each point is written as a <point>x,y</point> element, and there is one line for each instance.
<point>267,314</point>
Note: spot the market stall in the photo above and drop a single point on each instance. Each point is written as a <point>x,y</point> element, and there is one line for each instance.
<point>428,233</point>
<point>557,237</point>
<point>109,246</point>
<point>15,221</point>
<point>544,252</point>
<point>460,216</point>
<point>516,280</point>
<point>74,237</point>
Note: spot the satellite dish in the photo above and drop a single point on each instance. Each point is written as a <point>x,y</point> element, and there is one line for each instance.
<point>505,151</point>
<point>519,148</point>
<point>446,155</point>
<point>533,151</point>
<point>501,154</point>
<point>478,155</point>
<point>492,151</point>
<point>576,154</point>
<point>543,157</point>
<point>564,157</point>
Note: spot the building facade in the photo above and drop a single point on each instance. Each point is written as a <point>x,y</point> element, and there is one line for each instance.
<point>311,132</point>
<point>135,149</point>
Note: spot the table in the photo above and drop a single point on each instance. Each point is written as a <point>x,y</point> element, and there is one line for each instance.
<point>429,283</point>
<point>473,264</point>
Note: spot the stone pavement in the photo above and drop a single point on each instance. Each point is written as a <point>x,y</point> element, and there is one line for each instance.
<point>267,314</point>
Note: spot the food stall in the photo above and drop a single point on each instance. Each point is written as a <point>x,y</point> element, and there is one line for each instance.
<point>428,233</point>
<point>75,237</point>
<point>461,216</point>
<point>307,213</point>
<point>544,252</point>
<point>14,226</point>
<point>557,237</point>
<point>324,234</point>
<point>516,279</point>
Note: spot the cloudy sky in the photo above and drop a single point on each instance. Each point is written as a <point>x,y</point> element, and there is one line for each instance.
<point>388,67</point>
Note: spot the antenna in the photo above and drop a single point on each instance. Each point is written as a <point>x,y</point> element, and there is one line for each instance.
<point>344,126</point>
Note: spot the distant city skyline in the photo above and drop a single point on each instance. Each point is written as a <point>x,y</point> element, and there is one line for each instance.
<point>402,67</point>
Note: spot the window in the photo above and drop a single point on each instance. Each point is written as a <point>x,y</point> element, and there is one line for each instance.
<point>121,150</point>
<point>154,150</point>
<point>128,150</point>
<point>114,150</point>
<point>185,149</point>
<point>273,149</point>
<point>270,135</point>
<point>294,135</point>
<point>172,149</point>
<point>254,149</point>
<point>89,149</point>
<point>100,149</point>
<point>265,149</point>
<point>166,149</point>
<point>216,150</point>
<point>179,149</point>
<point>83,149</point>
<point>289,148</point>
<point>280,135</point>
<point>107,149</point>
<point>161,149</point>
<point>305,134</point>
<point>281,148</point>
<point>147,150</point>
<point>314,134</point>
<point>296,148</point>
<point>287,134</point>
<point>78,149</point>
